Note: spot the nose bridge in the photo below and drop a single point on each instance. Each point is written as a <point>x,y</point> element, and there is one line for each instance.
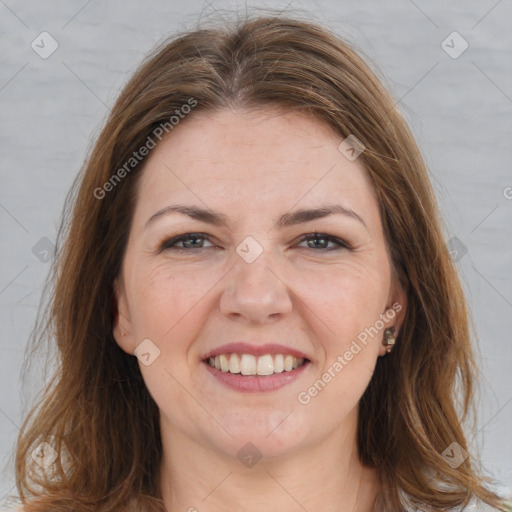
<point>254,289</point>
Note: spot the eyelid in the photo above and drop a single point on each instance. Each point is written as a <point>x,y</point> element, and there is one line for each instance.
<point>342,244</point>
<point>169,243</point>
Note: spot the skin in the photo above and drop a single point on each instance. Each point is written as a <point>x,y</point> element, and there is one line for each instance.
<point>254,167</point>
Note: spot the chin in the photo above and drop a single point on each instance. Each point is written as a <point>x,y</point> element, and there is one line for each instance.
<point>271,435</point>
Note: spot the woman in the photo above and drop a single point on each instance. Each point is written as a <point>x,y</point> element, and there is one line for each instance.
<point>254,305</point>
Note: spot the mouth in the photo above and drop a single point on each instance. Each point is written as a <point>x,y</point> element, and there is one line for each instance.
<point>250,365</point>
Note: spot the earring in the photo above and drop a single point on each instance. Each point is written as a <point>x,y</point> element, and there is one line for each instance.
<point>389,339</point>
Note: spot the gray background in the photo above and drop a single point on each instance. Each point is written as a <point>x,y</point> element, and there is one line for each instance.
<point>458,108</point>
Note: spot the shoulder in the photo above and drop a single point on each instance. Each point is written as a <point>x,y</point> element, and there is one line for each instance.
<point>11,504</point>
<point>477,505</point>
<point>17,506</point>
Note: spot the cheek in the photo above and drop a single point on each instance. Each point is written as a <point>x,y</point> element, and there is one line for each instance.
<point>166,308</point>
<point>350,308</point>
<point>350,298</point>
<point>165,297</point>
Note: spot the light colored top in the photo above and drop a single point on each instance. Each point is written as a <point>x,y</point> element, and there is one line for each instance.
<point>474,506</point>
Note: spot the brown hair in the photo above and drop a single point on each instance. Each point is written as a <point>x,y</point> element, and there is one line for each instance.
<point>96,409</point>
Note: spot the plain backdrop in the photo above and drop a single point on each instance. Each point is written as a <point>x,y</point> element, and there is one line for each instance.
<point>457,100</point>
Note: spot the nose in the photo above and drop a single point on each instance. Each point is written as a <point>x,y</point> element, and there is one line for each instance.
<point>255,292</point>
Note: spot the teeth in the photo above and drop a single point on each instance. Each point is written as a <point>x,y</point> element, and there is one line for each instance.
<point>265,365</point>
<point>247,364</point>
<point>224,363</point>
<point>278,363</point>
<point>234,364</point>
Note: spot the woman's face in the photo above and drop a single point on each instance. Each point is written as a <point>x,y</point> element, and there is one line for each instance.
<point>250,276</point>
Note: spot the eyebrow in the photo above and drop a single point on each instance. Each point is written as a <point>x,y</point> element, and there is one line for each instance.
<point>286,220</point>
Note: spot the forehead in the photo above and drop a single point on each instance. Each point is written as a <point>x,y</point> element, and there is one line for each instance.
<point>257,161</point>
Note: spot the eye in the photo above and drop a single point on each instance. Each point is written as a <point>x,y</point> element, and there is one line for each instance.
<point>193,241</point>
<point>189,241</point>
<point>324,241</point>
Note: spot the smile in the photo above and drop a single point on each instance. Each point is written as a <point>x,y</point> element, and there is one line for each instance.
<point>249,373</point>
<point>247,364</point>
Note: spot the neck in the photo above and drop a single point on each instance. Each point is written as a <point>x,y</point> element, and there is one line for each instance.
<point>327,477</point>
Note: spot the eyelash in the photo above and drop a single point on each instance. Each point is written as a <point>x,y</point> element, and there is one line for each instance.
<point>170,243</point>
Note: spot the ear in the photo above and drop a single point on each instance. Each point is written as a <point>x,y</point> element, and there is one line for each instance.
<point>121,323</point>
<point>395,308</point>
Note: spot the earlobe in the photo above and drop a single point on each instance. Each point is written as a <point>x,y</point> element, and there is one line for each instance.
<point>400,307</point>
<point>121,327</point>
<point>395,313</point>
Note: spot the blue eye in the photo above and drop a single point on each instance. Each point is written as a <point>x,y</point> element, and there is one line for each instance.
<point>190,241</point>
<point>326,239</point>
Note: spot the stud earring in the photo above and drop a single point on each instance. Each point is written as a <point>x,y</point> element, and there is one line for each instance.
<point>389,339</point>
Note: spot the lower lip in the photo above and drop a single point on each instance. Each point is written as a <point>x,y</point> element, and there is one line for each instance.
<point>256,383</point>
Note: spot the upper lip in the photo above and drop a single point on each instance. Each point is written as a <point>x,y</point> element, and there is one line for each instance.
<point>242,347</point>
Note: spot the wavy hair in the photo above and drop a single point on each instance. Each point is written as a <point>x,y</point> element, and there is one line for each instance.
<point>96,412</point>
